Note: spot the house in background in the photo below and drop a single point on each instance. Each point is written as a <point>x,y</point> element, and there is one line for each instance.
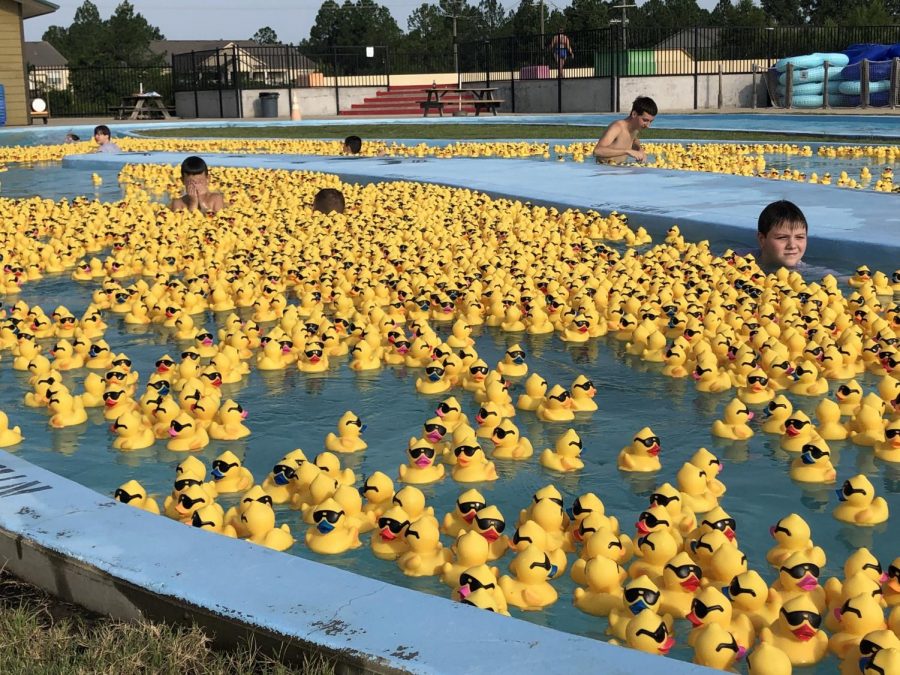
<point>267,65</point>
<point>47,68</point>
<point>12,60</point>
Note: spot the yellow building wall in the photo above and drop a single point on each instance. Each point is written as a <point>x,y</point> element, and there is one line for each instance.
<point>12,67</point>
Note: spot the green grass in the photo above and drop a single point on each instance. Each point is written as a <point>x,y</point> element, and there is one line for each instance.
<point>523,132</point>
<point>39,634</point>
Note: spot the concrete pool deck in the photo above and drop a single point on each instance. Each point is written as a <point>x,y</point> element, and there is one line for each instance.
<point>844,224</point>
<point>89,549</point>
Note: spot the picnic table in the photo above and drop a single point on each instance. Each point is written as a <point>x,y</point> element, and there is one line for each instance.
<point>142,107</point>
<point>483,99</point>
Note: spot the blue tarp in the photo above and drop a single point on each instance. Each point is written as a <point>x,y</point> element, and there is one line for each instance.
<point>877,53</point>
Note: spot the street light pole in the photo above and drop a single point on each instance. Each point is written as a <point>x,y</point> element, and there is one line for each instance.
<point>624,20</point>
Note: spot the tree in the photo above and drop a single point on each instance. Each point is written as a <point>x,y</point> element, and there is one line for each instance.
<point>265,36</point>
<point>123,39</point>
<point>743,15</point>
<point>491,17</point>
<point>587,15</point>
<point>785,12</point>
<point>362,23</point>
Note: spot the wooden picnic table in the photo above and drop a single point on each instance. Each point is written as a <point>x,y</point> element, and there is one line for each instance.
<point>142,107</point>
<point>484,99</point>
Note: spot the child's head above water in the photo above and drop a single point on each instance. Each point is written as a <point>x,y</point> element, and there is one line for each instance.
<point>781,232</point>
<point>195,173</point>
<point>352,145</point>
<point>328,200</point>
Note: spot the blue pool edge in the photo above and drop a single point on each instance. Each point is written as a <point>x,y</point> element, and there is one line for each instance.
<point>117,560</point>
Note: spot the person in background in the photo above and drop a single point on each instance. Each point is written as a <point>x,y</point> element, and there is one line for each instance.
<point>103,139</point>
<point>352,145</point>
<point>329,200</point>
<point>197,196</point>
<point>620,140</point>
<point>72,138</point>
<point>561,49</point>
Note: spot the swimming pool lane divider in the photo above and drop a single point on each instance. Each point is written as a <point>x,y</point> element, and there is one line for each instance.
<point>844,224</point>
<point>117,560</point>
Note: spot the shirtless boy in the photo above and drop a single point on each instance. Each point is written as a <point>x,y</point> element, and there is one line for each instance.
<point>620,140</point>
<point>195,176</point>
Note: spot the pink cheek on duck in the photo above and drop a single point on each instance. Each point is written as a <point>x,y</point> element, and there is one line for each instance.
<point>244,414</point>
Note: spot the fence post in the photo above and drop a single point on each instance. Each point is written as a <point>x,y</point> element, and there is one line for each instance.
<point>195,84</point>
<point>387,64</point>
<point>719,98</point>
<point>753,98</point>
<point>864,84</point>
<point>287,62</point>
<point>236,74</point>
<point>895,77</point>
<point>219,86</point>
<point>337,91</point>
<point>825,87</point>
<point>512,75</point>
<point>487,59</point>
<point>696,65</point>
<point>789,87</point>
<point>559,76</point>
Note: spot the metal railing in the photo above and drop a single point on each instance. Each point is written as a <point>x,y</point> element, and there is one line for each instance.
<point>92,91</point>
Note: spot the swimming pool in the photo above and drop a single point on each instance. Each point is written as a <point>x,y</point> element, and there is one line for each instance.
<point>628,389</point>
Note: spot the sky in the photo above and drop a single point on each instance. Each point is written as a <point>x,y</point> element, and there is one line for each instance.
<point>233,19</point>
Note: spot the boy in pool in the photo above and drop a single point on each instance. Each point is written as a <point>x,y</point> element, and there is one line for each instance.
<point>103,139</point>
<point>195,176</point>
<point>352,145</point>
<point>328,200</point>
<point>620,140</point>
<point>781,232</point>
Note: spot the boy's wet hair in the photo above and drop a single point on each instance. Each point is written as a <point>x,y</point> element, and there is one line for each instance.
<point>102,129</point>
<point>778,213</point>
<point>194,166</point>
<point>353,144</point>
<point>73,137</point>
<point>644,104</point>
<point>328,200</point>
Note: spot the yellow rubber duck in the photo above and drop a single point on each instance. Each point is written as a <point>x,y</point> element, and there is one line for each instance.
<point>9,436</point>
<point>470,550</point>
<point>796,632</point>
<point>767,659</point>
<point>798,432</point>
<point>426,556</point>
<point>830,427</point>
<point>751,597</point>
<point>228,423</point>
<point>332,532</point>
<point>889,450</point>
<point>508,443</point>
<point>210,518</point>
<point>814,464</point>
<point>259,521</point>
<point>566,455</point>
<point>462,516</point>
<point>133,432</point>
<point>186,435</point>
<point>451,414</point>
<point>639,594</point>
<point>642,455</point>
<point>777,412</point>
<point>734,425</point>
<point>535,391</point>
<point>858,503</point>
<point>422,467</point>
<point>489,523</point>
<point>528,588</point>
<point>792,535</point>
<point>134,494</point>
<point>808,382</point>
<point>513,362</point>
<point>603,578</point>
<point>715,647</point>
<point>648,632</point>
<point>66,410</point>
<point>230,475</point>
<point>710,606</point>
<point>388,541</point>
<point>348,438</point>
<point>471,464</point>
<point>478,586</point>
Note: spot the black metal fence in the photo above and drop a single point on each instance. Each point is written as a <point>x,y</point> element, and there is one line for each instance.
<point>92,91</point>
<point>609,52</point>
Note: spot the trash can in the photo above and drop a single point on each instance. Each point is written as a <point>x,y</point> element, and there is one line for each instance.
<point>268,103</point>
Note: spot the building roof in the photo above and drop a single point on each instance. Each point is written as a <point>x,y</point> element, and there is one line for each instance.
<point>32,8</point>
<point>274,56</point>
<point>43,54</point>
<point>684,39</point>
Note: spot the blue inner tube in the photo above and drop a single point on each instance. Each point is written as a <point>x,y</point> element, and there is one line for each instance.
<point>878,70</point>
<point>802,76</point>
<point>816,100</point>
<point>815,60</point>
<point>855,87</point>
<point>882,98</point>
<point>811,87</point>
